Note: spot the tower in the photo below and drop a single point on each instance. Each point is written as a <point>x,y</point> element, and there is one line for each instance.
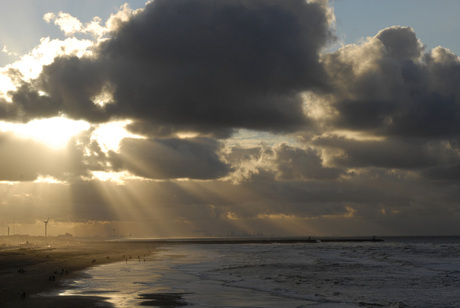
<point>46,227</point>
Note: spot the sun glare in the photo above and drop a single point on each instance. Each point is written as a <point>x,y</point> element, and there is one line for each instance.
<point>109,135</point>
<point>5,86</point>
<point>54,132</point>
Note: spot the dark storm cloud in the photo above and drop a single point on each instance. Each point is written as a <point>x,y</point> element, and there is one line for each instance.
<point>397,153</point>
<point>400,43</point>
<point>71,83</point>
<point>67,86</point>
<point>387,86</point>
<point>444,173</point>
<point>390,88</point>
<point>149,128</point>
<point>206,66</point>
<point>238,154</point>
<point>296,163</point>
<point>221,64</point>
<point>280,163</point>
<point>170,158</point>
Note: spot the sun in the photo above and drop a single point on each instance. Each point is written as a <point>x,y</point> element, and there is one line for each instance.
<point>54,132</point>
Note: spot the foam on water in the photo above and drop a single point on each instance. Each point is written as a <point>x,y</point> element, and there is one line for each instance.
<point>395,273</point>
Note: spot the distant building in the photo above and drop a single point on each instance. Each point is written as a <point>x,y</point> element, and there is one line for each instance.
<point>67,235</point>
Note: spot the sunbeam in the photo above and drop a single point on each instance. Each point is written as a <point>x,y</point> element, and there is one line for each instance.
<point>54,132</point>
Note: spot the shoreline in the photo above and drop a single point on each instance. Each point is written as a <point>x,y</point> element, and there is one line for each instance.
<point>34,269</point>
<point>255,240</point>
<point>30,270</point>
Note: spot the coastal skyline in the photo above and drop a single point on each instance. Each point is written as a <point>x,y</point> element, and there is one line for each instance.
<point>226,118</point>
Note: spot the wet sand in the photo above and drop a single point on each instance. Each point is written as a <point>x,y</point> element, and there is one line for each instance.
<point>163,300</point>
<point>42,268</point>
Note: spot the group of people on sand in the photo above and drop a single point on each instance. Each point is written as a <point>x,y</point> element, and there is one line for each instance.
<point>63,271</point>
<point>50,278</point>
<point>53,278</point>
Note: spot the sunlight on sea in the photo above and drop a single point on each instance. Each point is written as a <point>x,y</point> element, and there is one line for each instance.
<point>394,273</point>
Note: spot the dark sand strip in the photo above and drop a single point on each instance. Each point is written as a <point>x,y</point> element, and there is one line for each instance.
<point>61,302</point>
<point>43,269</point>
<point>163,300</point>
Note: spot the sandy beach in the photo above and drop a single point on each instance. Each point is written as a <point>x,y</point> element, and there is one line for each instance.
<point>30,269</point>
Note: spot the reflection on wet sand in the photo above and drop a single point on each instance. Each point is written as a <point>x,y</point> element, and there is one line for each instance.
<point>163,299</point>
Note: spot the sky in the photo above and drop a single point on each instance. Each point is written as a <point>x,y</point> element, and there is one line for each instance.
<point>201,118</point>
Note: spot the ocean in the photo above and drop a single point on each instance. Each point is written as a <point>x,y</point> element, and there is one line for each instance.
<point>398,272</point>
